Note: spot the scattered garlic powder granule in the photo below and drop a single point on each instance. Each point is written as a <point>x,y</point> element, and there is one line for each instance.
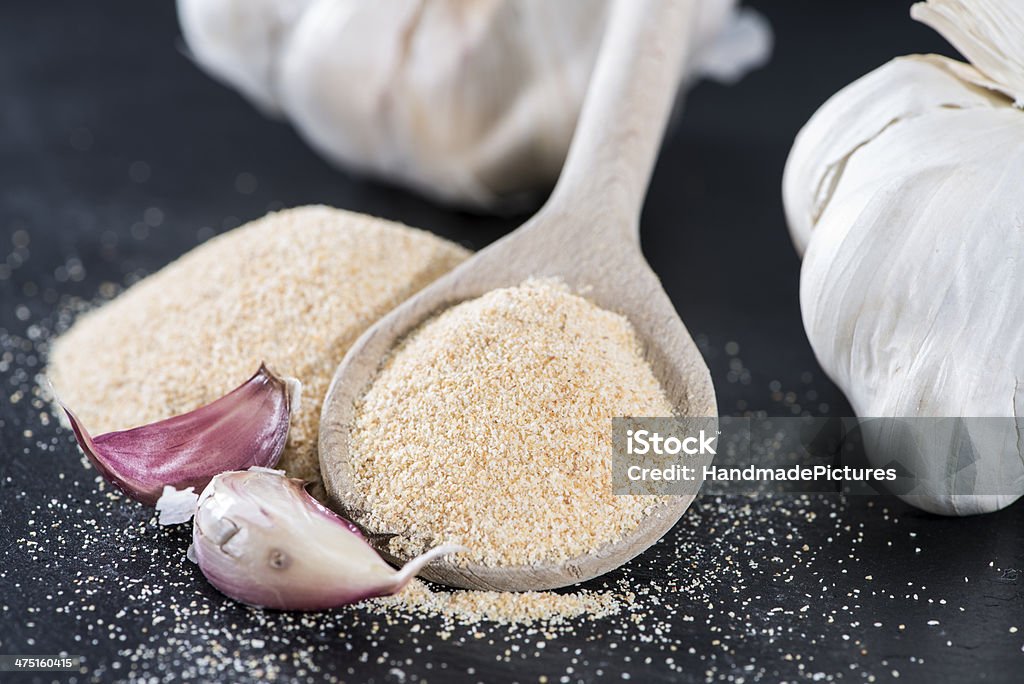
<point>490,426</point>
<point>295,289</point>
<point>503,607</point>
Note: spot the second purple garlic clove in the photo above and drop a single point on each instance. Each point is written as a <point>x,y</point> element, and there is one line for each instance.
<point>246,427</point>
<point>261,539</point>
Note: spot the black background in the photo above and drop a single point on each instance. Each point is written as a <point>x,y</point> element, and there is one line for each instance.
<point>89,89</point>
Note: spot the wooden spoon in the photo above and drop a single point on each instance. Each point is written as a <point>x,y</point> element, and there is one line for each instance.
<point>587,234</point>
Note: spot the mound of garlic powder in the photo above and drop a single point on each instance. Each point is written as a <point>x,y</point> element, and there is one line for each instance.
<point>294,289</point>
<point>490,427</point>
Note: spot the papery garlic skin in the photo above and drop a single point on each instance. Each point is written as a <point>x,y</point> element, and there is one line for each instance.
<point>177,506</point>
<point>472,103</point>
<point>988,34</point>
<point>905,192</point>
<point>261,539</point>
<point>901,93</point>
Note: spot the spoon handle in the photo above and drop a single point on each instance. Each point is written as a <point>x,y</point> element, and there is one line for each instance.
<point>625,113</point>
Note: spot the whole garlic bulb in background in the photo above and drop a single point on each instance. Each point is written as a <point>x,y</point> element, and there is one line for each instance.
<point>905,194</point>
<point>473,103</point>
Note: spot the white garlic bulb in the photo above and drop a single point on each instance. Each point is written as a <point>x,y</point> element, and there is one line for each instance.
<point>905,194</point>
<point>469,102</point>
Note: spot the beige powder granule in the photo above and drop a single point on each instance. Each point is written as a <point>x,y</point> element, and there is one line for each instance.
<point>504,607</point>
<point>295,288</point>
<point>490,427</point>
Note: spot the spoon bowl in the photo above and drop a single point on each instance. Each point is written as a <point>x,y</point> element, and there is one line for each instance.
<point>586,235</point>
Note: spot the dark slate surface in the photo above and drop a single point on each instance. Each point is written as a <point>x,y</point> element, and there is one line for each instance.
<point>117,155</point>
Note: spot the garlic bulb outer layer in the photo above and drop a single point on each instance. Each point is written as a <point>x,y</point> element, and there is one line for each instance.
<point>238,42</point>
<point>472,103</point>
<point>988,34</point>
<point>904,192</point>
<point>900,92</point>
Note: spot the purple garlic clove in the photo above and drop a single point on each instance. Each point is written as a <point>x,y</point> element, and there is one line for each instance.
<point>246,427</point>
<point>261,539</point>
